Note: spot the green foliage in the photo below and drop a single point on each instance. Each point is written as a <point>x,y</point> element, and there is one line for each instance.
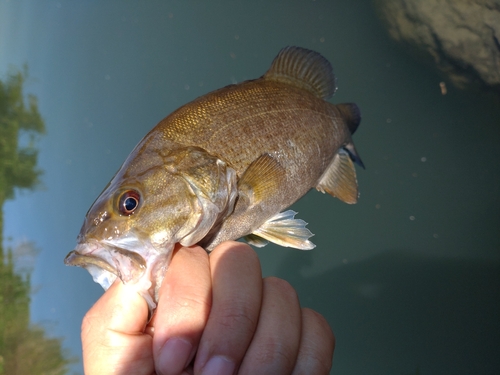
<point>14,308</point>
<point>18,119</point>
<point>24,348</point>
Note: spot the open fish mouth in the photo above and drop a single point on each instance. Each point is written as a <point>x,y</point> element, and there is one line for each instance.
<point>125,264</point>
<point>142,268</point>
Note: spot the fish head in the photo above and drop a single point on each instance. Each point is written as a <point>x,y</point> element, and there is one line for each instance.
<point>158,207</point>
<point>153,202</point>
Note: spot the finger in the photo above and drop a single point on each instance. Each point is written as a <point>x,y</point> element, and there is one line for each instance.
<point>275,344</point>
<point>183,308</point>
<point>236,299</point>
<point>316,345</point>
<point>112,334</point>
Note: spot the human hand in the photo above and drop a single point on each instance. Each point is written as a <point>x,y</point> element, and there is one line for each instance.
<point>215,315</point>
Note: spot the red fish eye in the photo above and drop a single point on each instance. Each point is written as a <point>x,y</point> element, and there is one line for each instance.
<point>129,201</point>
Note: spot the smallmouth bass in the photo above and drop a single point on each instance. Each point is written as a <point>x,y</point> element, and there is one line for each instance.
<point>222,167</point>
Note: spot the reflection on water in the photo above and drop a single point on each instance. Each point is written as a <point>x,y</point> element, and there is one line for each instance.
<point>106,72</point>
<point>18,162</point>
<point>24,348</point>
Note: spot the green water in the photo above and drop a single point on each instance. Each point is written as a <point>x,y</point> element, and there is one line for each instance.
<point>409,278</point>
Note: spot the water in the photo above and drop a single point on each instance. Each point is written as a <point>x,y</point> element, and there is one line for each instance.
<point>408,278</point>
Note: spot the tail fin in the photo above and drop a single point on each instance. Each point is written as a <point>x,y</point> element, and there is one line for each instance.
<point>351,114</point>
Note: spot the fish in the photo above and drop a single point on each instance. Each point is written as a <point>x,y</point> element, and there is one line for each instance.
<point>223,167</point>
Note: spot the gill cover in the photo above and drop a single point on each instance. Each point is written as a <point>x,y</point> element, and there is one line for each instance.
<point>212,182</point>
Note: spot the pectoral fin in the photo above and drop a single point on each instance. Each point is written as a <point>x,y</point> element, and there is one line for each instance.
<point>339,180</point>
<point>263,179</point>
<point>283,230</point>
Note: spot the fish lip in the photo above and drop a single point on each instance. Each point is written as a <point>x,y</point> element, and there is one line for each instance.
<point>132,258</point>
<point>108,256</point>
<point>83,251</point>
<point>74,258</point>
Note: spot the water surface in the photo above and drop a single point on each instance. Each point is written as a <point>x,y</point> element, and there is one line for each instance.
<point>408,278</point>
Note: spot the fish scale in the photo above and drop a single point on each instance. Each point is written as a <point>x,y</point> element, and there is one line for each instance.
<point>260,116</point>
<point>222,167</point>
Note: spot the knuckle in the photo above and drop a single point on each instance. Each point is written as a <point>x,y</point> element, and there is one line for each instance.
<point>237,316</point>
<point>276,354</point>
<point>237,251</point>
<point>281,287</point>
<point>88,323</point>
<point>192,302</point>
<point>320,364</point>
<point>318,345</point>
<point>321,322</point>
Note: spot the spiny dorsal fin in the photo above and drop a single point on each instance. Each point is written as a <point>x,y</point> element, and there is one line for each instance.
<point>339,180</point>
<point>305,69</point>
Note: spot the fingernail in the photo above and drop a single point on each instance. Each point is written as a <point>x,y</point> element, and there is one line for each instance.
<point>218,365</point>
<point>174,356</point>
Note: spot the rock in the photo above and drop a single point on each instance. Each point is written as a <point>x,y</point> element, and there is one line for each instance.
<point>461,37</point>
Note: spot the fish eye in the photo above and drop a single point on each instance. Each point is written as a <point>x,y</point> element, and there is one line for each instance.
<point>129,201</point>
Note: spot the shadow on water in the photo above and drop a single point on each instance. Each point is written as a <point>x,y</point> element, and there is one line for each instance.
<point>25,348</point>
<point>397,313</point>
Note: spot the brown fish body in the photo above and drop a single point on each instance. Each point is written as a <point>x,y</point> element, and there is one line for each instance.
<point>222,167</point>
<point>240,123</point>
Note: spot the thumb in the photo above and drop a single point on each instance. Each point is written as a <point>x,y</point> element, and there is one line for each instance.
<point>113,337</point>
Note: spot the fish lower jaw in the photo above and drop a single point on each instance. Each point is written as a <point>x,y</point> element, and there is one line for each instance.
<point>142,286</point>
<point>142,268</point>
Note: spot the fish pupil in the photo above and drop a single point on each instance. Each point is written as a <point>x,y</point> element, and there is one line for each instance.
<point>129,201</point>
<point>130,204</point>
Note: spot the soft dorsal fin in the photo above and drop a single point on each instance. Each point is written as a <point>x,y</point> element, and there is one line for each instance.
<point>305,69</point>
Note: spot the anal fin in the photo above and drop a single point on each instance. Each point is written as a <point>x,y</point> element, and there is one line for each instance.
<point>255,240</point>
<point>284,230</point>
<point>339,180</point>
